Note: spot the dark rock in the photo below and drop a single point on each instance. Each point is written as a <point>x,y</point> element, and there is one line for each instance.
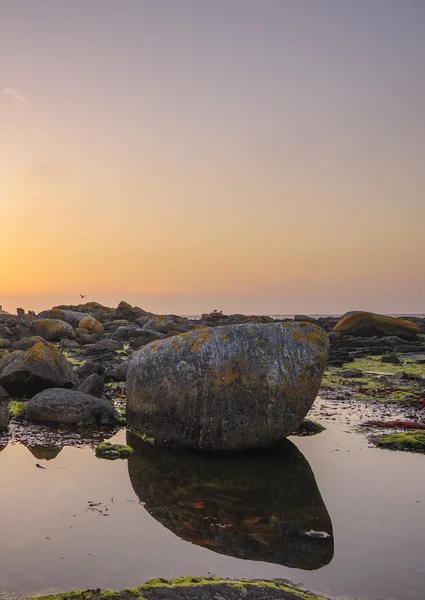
<point>5,344</point>
<point>92,385</point>
<point>121,371</point>
<point>164,323</point>
<point>20,312</point>
<point>70,407</point>
<point>124,310</point>
<point>66,344</point>
<point>351,373</point>
<point>91,325</point>
<point>126,333</point>
<point>4,414</point>
<point>85,339</point>
<point>391,359</point>
<point>226,389</point>
<point>28,342</point>
<point>41,367</point>
<point>89,368</point>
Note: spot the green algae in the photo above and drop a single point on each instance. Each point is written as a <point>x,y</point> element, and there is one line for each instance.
<point>411,441</point>
<point>17,408</point>
<point>375,365</point>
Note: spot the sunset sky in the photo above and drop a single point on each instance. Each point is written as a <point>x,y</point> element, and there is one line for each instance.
<point>262,156</point>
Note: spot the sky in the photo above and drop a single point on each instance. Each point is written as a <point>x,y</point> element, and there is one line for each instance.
<point>254,156</point>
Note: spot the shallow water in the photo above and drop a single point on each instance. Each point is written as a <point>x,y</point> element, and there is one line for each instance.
<point>82,522</point>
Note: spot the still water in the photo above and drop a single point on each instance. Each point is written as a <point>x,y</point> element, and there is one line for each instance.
<point>82,522</point>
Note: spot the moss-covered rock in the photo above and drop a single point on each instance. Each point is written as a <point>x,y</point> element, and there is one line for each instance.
<point>367,324</point>
<point>113,451</point>
<point>41,367</point>
<point>196,588</point>
<point>226,388</point>
<point>52,330</point>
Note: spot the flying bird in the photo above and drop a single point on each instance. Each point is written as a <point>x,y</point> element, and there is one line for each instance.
<point>83,296</point>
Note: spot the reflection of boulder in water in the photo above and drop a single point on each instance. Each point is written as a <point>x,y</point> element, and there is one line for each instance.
<point>255,506</point>
<point>44,452</point>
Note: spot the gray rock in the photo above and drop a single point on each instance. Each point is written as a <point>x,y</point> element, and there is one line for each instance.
<point>92,385</point>
<point>89,368</point>
<point>120,373</point>
<point>4,414</point>
<point>226,388</point>
<point>69,406</point>
<point>28,342</point>
<point>41,367</point>
<point>5,343</point>
<point>391,359</point>
<point>127,333</point>
<point>52,330</point>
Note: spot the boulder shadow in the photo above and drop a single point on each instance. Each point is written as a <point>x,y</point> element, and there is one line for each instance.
<point>255,506</point>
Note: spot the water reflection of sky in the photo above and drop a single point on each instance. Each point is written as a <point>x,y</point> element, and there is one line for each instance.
<point>53,539</point>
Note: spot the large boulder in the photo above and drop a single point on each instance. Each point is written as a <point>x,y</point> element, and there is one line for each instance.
<point>70,407</point>
<point>41,367</point>
<point>4,414</point>
<point>226,388</point>
<point>367,324</point>
<point>52,330</point>
<point>127,333</point>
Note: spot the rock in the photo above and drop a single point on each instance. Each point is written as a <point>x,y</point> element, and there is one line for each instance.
<point>366,324</point>
<point>85,339</point>
<point>41,367</point>
<point>4,415</point>
<point>89,368</point>
<point>228,388</point>
<point>28,342</point>
<point>113,325</point>
<point>124,310</point>
<point>5,344</point>
<point>91,325</point>
<point>53,330</point>
<point>20,312</point>
<point>70,407</point>
<point>98,311</point>
<point>120,373</point>
<point>73,317</point>
<point>3,394</point>
<point>92,385</point>
<point>351,373</point>
<point>66,344</point>
<point>391,359</point>
<point>126,333</point>
<point>7,360</point>
<point>163,324</point>
<point>113,451</point>
<point>218,319</point>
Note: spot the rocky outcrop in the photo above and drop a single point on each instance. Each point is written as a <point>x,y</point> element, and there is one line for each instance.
<point>228,388</point>
<point>52,330</point>
<point>366,324</point>
<point>71,407</point>
<point>128,333</point>
<point>41,367</point>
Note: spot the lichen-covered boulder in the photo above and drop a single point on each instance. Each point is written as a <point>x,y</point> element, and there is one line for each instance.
<point>70,407</point>
<point>226,388</point>
<point>42,366</point>
<point>4,414</point>
<point>90,324</point>
<point>367,324</point>
<point>52,330</point>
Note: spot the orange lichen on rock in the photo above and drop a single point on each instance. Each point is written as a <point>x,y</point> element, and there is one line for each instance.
<point>367,323</point>
<point>200,339</point>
